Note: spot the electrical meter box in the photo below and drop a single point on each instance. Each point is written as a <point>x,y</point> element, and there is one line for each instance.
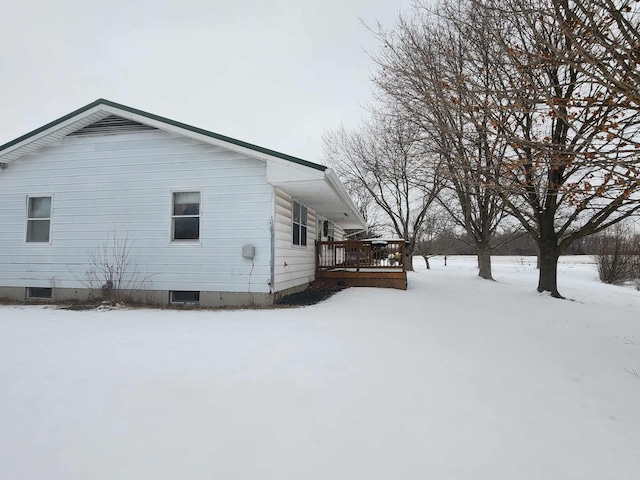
<point>249,251</point>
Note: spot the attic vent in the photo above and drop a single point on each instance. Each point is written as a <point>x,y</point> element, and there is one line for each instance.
<point>111,125</point>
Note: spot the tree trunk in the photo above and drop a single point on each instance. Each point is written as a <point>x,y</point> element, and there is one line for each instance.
<point>548,279</point>
<point>426,260</point>
<point>408,261</point>
<point>484,263</point>
<point>548,253</point>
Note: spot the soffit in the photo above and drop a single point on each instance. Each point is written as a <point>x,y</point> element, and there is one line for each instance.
<point>319,195</point>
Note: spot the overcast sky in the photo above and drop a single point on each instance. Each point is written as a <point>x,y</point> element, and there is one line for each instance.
<point>276,73</point>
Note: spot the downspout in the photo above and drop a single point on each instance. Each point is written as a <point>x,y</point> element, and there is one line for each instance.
<point>272,236</point>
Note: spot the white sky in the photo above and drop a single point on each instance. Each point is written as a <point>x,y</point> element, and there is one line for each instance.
<point>275,73</point>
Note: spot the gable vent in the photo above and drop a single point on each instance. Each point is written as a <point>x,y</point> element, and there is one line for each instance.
<point>111,125</point>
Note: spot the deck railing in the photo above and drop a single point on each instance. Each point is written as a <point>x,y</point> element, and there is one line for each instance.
<point>387,255</point>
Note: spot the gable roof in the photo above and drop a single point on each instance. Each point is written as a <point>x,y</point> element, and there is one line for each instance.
<point>309,182</point>
<point>15,148</point>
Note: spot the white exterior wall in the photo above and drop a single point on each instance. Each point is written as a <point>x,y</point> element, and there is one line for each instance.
<point>300,261</point>
<point>338,231</point>
<point>338,236</point>
<point>124,183</point>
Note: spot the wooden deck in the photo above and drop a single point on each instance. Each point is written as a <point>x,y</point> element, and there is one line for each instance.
<point>367,263</point>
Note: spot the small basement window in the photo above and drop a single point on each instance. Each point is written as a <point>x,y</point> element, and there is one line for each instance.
<point>39,293</point>
<point>183,296</point>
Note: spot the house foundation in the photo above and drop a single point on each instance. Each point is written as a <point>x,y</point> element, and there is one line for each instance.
<point>150,297</point>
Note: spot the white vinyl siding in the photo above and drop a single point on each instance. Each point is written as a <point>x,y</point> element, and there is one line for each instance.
<point>124,183</point>
<point>334,231</point>
<point>293,264</point>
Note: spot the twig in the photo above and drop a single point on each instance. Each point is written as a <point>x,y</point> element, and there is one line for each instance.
<point>632,372</point>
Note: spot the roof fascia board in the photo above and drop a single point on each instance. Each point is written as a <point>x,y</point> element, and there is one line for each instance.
<point>50,128</point>
<point>212,139</point>
<point>160,122</point>
<point>342,193</point>
<point>205,135</point>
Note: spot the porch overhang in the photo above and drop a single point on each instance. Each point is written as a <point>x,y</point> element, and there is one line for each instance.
<point>322,191</point>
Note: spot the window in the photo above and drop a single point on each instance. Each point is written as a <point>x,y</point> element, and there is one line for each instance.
<point>299,224</point>
<point>186,216</point>
<point>39,293</point>
<point>38,219</point>
<point>178,296</point>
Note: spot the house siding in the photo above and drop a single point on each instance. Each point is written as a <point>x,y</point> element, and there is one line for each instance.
<point>294,265</point>
<point>123,183</point>
<point>338,231</point>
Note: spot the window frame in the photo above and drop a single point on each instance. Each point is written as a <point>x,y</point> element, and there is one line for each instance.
<point>38,219</point>
<point>173,301</point>
<point>299,225</point>
<point>34,297</point>
<point>172,217</point>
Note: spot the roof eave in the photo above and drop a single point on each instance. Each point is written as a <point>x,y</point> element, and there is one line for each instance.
<point>342,193</point>
<point>154,120</point>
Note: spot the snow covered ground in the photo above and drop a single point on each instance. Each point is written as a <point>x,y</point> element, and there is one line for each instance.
<point>456,378</point>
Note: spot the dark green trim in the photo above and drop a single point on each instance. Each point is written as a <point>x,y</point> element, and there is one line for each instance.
<point>51,124</point>
<point>168,121</point>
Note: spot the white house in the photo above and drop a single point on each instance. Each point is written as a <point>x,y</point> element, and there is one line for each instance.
<point>205,218</point>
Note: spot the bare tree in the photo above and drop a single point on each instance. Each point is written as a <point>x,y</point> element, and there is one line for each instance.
<point>385,158</point>
<point>441,74</point>
<point>571,171</point>
<point>367,207</point>
<point>113,269</point>
<point>429,240</point>
<point>523,105</point>
<point>617,254</point>
<point>606,33</point>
